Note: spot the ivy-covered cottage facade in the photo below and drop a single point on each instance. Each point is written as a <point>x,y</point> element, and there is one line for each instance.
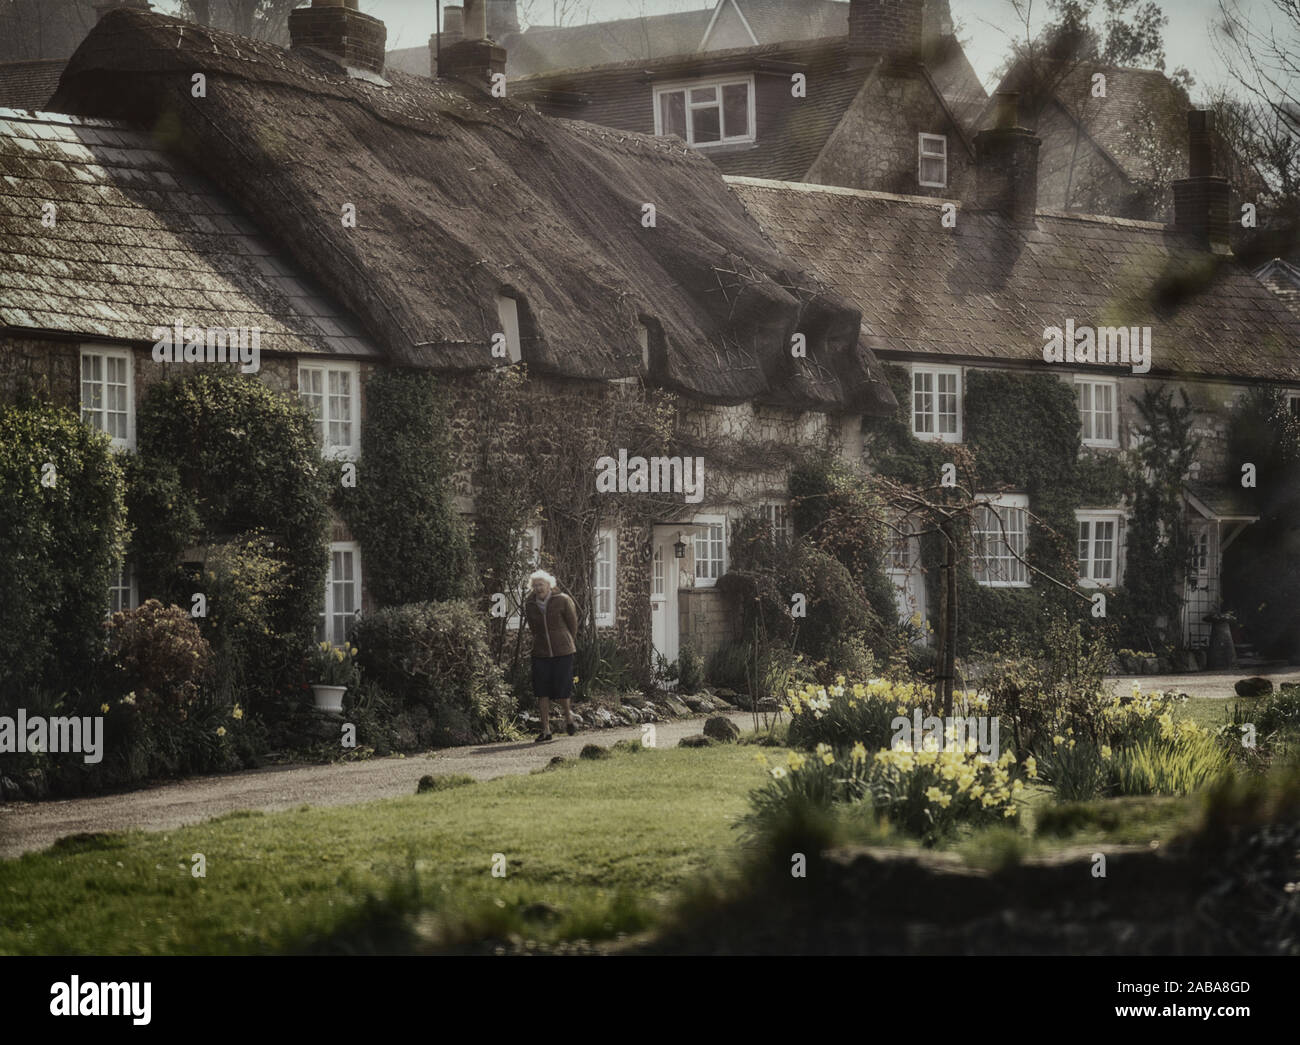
<point>190,185</point>
<point>1033,337</point>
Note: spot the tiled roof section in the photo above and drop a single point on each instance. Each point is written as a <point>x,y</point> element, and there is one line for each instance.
<point>29,85</point>
<point>986,289</point>
<point>138,243</point>
<point>1283,279</point>
<point>790,133</point>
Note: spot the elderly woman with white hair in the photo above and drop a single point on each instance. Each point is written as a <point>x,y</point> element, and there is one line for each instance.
<point>553,620</point>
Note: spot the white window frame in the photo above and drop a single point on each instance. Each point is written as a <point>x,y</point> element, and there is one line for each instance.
<point>659,574</point>
<point>908,542</point>
<point>533,534</point>
<point>780,526</point>
<point>1293,404</point>
<point>1093,382</point>
<point>105,353</point>
<point>1117,551</point>
<point>606,618</point>
<point>326,616</point>
<point>936,372</point>
<point>1000,503</point>
<point>125,571</point>
<point>718,82</point>
<point>508,315</point>
<point>705,539</point>
<point>351,450</point>
<point>922,140</point>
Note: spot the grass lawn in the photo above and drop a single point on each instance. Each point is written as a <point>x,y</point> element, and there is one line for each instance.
<point>592,848</point>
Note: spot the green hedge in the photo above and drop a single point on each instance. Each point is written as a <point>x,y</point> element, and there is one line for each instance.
<point>401,510</point>
<point>223,457</point>
<point>60,545</point>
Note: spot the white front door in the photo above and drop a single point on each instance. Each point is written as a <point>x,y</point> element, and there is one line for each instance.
<point>663,598</point>
<point>904,570</point>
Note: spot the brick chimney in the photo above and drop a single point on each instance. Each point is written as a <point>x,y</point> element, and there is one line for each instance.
<point>476,58</point>
<point>104,6</point>
<point>892,28</point>
<point>338,27</point>
<point>1201,204</point>
<point>1007,177</point>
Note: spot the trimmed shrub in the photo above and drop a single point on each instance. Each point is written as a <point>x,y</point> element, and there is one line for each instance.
<point>160,656</point>
<point>690,670</point>
<point>434,655</point>
<point>61,541</point>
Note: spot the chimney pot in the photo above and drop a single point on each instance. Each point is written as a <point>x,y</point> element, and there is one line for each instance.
<point>475,19</point>
<point>337,26</point>
<point>1008,109</point>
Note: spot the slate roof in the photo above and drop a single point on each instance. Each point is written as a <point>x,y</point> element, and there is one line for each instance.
<point>139,242</point>
<point>1223,501</point>
<point>461,197</point>
<point>29,85</point>
<point>985,290</point>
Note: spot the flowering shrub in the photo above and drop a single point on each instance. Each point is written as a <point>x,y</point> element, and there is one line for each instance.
<point>161,656</point>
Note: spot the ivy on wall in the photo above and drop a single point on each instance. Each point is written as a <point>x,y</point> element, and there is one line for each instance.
<point>1021,434</point>
<point>415,545</point>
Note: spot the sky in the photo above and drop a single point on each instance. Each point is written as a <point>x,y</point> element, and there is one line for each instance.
<point>985,26</point>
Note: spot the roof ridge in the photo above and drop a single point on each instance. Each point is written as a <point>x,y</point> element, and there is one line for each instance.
<point>835,190</point>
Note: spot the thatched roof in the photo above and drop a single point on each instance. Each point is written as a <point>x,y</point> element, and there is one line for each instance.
<point>461,197</point>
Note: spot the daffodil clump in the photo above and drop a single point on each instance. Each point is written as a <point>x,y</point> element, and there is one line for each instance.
<point>330,665</point>
<point>928,792</point>
<point>1142,749</point>
<point>843,714</point>
<point>925,793</point>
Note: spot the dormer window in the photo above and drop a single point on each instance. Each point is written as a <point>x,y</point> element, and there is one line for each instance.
<point>933,161</point>
<point>508,315</point>
<point>707,112</point>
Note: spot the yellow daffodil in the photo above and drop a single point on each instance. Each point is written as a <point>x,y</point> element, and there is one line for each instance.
<point>238,712</point>
<point>103,708</point>
<point>795,761</point>
<point>1031,768</point>
<point>221,731</point>
<point>859,753</point>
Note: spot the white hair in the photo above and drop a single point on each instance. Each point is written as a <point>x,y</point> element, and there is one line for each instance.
<point>542,575</point>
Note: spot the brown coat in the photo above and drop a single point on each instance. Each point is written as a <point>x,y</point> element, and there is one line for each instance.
<point>557,635</point>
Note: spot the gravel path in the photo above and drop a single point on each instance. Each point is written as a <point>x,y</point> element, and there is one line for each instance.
<point>26,826</point>
<point>1207,683</point>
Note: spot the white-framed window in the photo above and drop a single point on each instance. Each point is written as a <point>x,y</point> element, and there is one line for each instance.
<point>1199,566</point>
<point>508,314</point>
<point>904,545</point>
<point>936,403</point>
<point>1100,550</point>
<point>332,392</point>
<point>777,517</point>
<point>707,112</point>
<point>122,592</point>
<point>932,161</point>
<point>606,580</point>
<point>530,553</point>
<point>658,576</point>
<point>108,393</point>
<point>342,593</point>
<point>1098,411</point>
<point>710,549</point>
<point>1293,403</point>
<point>999,536</point>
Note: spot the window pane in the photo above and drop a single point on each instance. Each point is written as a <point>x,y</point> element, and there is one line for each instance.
<point>923,403</point>
<point>672,109</point>
<point>706,125</point>
<point>1104,552</point>
<point>735,107</point>
<point>947,403</point>
<point>1085,409</point>
<point>1103,405</point>
<point>1085,550</point>
<point>704,95</point>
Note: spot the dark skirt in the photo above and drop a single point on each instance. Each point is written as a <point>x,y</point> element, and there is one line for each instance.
<point>553,677</point>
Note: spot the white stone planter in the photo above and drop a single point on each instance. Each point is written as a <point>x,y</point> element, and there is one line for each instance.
<point>329,698</point>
